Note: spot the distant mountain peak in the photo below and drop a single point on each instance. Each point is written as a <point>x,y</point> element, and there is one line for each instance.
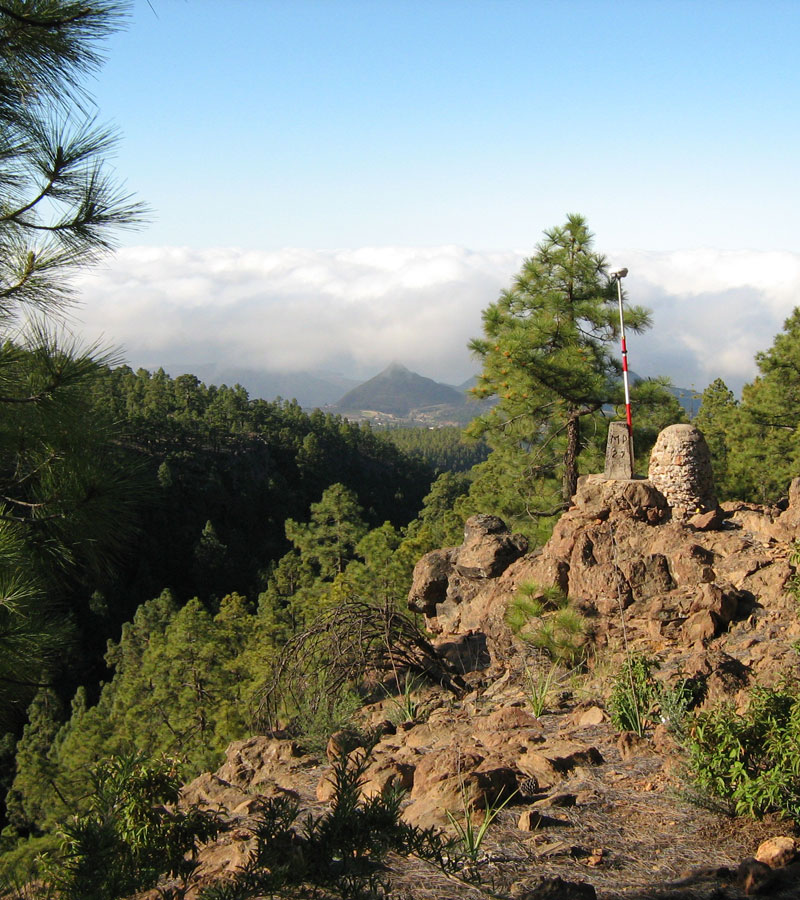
<point>395,368</point>
<point>397,390</point>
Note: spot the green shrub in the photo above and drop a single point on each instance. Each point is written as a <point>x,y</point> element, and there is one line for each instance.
<point>539,683</point>
<point>676,701</point>
<point>634,695</point>
<point>751,760</point>
<point>470,836</point>
<point>530,601</point>
<point>131,835</point>
<point>21,865</point>
<point>521,610</point>
<point>543,617</point>
<point>404,706</point>
<point>562,636</point>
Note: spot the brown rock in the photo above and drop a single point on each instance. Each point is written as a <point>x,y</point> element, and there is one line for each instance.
<point>326,788</point>
<point>249,762</point>
<point>690,563</point>
<point>529,820</point>
<point>341,743</point>
<point>489,547</point>
<point>648,575</point>
<point>631,744</point>
<point>725,676</point>
<point>466,652</point>
<point>385,776</point>
<point>474,790</point>
<point>209,791</point>
<point>443,765</point>
<point>707,521</point>
<point>551,764</point>
<point>429,582</point>
<point>722,601</point>
<point>231,850</point>
<point>505,718</point>
<point>563,799</point>
<point>598,497</point>
<point>794,493</point>
<point>596,857</point>
<point>507,746</point>
<point>777,851</point>
<point>702,626</point>
<point>592,715</point>
<point>219,859</point>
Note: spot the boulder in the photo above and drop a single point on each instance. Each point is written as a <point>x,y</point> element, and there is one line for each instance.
<point>702,627</point>
<point>458,782</point>
<point>445,580</point>
<point>777,851</point>
<point>550,764</point>
<point>489,548</point>
<point>429,582</point>
<point>252,761</point>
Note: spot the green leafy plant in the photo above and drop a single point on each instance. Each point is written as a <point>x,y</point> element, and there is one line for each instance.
<point>751,760</point>
<point>469,835</point>
<point>131,835</point>
<point>675,703</point>
<point>634,695</point>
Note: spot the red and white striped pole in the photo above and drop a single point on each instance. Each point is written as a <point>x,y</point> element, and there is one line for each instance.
<point>618,276</point>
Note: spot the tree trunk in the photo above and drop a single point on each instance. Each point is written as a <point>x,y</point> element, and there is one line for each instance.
<point>570,482</point>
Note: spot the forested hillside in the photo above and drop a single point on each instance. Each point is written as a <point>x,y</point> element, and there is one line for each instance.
<point>445,449</point>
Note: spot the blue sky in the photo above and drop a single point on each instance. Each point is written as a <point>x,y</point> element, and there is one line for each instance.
<point>330,125</point>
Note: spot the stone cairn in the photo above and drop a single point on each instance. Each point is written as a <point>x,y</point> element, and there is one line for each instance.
<point>680,468</point>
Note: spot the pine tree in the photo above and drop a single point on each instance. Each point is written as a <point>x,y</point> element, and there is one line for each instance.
<point>717,418</point>
<point>32,794</point>
<point>329,538</point>
<point>384,576</point>
<point>59,212</point>
<point>548,358</point>
<point>763,444</point>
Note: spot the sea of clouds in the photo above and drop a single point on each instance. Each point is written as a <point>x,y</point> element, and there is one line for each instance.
<point>354,311</point>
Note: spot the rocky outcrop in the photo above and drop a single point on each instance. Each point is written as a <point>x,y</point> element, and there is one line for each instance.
<point>626,549</point>
<point>446,579</point>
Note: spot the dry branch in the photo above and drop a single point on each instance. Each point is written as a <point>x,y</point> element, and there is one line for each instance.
<point>340,649</point>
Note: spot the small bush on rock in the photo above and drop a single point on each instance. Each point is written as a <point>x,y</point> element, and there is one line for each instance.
<point>543,617</point>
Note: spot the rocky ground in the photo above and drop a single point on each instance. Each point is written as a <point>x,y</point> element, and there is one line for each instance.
<point>596,812</point>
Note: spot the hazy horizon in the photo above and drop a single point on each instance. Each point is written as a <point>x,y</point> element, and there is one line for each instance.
<point>352,312</point>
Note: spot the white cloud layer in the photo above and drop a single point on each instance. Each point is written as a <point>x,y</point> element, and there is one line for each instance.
<point>355,311</point>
